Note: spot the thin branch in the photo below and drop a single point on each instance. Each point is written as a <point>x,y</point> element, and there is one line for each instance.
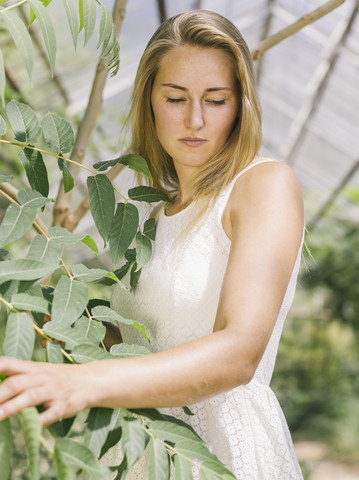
<point>88,122</point>
<point>294,27</point>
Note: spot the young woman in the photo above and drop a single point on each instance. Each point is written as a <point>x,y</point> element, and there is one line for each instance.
<point>226,256</point>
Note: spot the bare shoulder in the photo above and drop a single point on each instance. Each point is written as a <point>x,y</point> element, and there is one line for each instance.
<point>267,190</point>
<point>268,182</point>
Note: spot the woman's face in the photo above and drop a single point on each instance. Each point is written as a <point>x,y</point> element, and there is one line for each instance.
<point>195,104</point>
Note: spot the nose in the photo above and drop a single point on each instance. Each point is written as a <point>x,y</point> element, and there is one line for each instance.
<point>194,117</point>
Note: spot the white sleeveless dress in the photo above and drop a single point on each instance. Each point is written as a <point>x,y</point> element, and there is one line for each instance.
<point>176,299</point>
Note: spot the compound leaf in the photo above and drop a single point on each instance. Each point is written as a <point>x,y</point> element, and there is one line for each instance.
<point>58,133</point>
<point>70,300</point>
<point>32,428</point>
<point>21,38</point>
<point>102,203</point>
<point>6,447</point>
<point>47,30</point>
<point>147,194</point>
<point>23,121</point>
<point>159,461</point>
<point>35,169</point>
<point>123,231</point>
<point>19,336</point>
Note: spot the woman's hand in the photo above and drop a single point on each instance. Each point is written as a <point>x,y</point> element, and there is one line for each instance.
<point>64,389</point>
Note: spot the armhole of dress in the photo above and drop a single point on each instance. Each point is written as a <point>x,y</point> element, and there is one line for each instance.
<point>226,193</point>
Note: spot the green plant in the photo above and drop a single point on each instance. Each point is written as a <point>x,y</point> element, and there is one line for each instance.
<point>79,324</point>
<point>75,332</point>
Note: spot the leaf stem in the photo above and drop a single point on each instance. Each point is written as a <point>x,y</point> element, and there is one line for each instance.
<point>24,145</point>
<point>46,446</point>
<point>11,307</point>
<point>14,5</point>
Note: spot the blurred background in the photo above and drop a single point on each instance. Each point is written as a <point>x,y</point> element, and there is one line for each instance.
<point>308,86</point>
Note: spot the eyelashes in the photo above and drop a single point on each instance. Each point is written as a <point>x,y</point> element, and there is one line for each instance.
<point>180,100</point>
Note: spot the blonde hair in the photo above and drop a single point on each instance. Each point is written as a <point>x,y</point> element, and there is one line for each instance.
<point>208,30</point>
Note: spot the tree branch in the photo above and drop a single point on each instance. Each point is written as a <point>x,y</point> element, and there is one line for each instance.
<point>88,122</point>
<point>294,27</point>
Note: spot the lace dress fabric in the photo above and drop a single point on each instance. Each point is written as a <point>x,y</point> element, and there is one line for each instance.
<point>176,299</point>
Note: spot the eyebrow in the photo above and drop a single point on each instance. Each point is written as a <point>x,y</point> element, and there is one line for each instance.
<point>178,87</point>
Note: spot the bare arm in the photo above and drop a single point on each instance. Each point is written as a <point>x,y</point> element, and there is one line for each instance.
<point>264,219</point>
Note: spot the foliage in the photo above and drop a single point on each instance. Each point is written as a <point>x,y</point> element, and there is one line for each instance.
<point>316,375</point>
<point>83,19</point>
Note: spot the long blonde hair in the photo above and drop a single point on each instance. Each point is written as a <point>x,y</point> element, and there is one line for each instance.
<point>205,29</point>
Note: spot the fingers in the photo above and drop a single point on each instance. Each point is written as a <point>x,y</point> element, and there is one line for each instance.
<point>28,398</point>
<point>12,366</point>
<point>53,414</point>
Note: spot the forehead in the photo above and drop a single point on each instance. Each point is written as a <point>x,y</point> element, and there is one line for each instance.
<point>196,64</point>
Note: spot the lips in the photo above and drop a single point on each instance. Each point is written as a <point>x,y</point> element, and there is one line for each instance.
<point>193,141</point>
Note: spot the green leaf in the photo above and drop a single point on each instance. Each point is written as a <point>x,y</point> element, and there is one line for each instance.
<point>147,194</point>
<point>133,439</point>
<point>5,178</point>
<point>195,450</point>
<point>115,432</point>
<point>66,175</point>
<point>16,223</point>
<point>58,133</point>
<point>79,456</point>
<point>89,353</point>
<point>183,468</point>
<point>105,25</point>
<point>35,169</point>
<point>32,199</point>
<point>32,428</point>
<point>64,471</point>
<point>45,250</point>
<point>102,203</point>
<point>47,30</point>
<point>143,250</point>
<point>65,334</point>
<point>134,276</point>
<point>89,329</point>
<point>125,350</point>
<point>106,314</point>
<point>2,91</point>
<point>123,231</point>
<point>70,300</point>
<point>98,426</point>
<point>23,121</point>
<point>53,353</point>
<point>63,236</point>
<point>89,18</point>
<point>81,15</point>
<point>84,274</point>
<point>90,242</point>
<point>5,448</point>
<point>172,432</point>
<point>214,470</point>
<point>109,44</point>
<point>133,161</point>
<point>23,301</point>
<point>149,228</point>
<point>23,269</point>
<point>19,336</point>
<point>159,461</point>
<point>72,19</point>
<point>21,38</point>
<point>3,253</point>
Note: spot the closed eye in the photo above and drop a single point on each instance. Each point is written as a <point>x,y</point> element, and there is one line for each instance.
<point>217,102</point>
<point>175,100</point>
